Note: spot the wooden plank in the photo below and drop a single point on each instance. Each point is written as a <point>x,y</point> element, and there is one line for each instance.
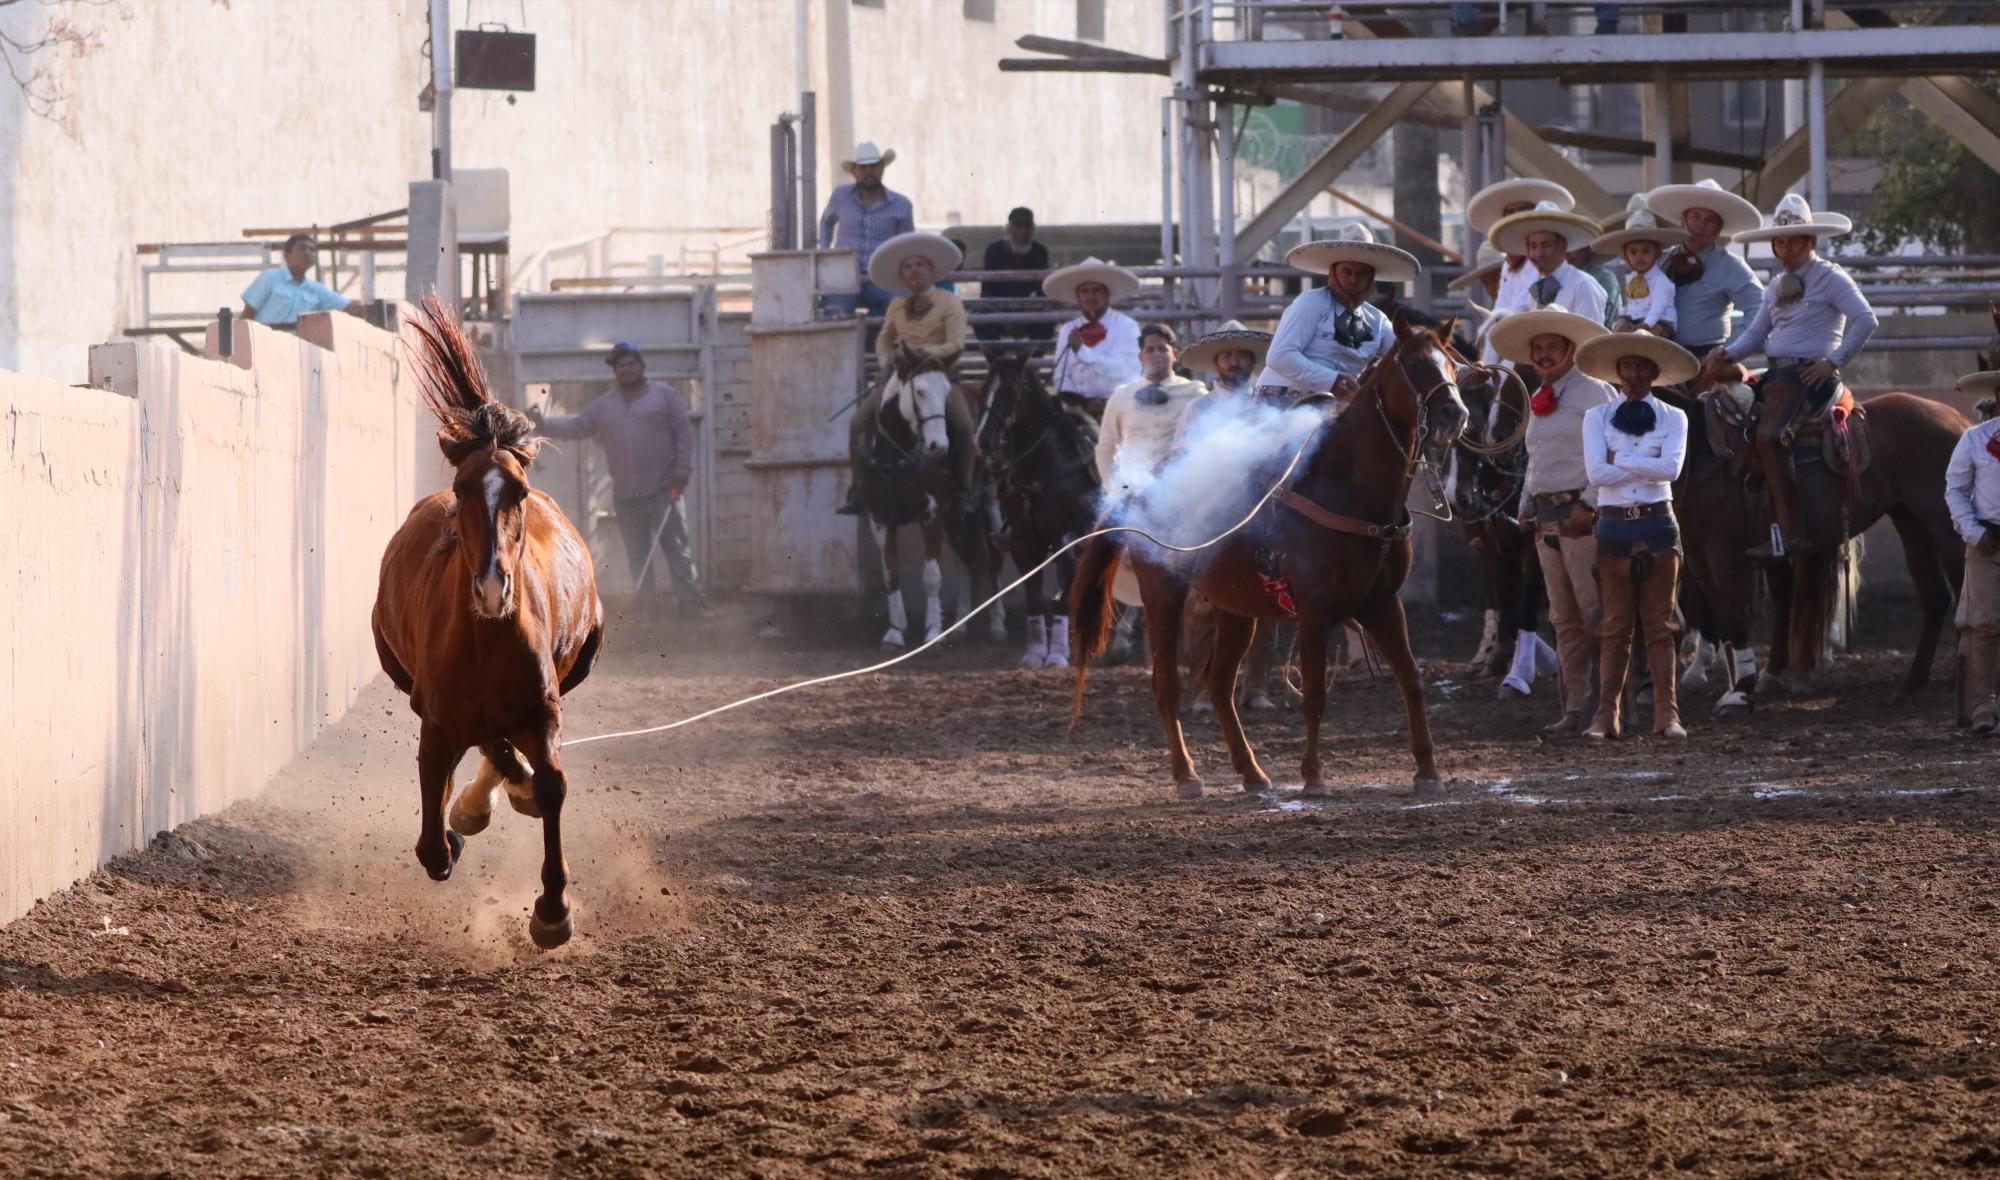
<point>1327,168</point>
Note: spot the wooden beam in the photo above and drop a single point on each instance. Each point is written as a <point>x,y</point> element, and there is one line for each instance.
<point>1325,170</point>
<point>1056,45</point>
<point>1954,119</point>
<point>1787,162</point>
<point>1083,65</point>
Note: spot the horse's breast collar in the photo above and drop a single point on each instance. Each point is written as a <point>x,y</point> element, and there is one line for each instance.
<point>1354,526</point>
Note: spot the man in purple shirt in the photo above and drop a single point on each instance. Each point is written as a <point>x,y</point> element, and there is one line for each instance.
<point>648,442</point>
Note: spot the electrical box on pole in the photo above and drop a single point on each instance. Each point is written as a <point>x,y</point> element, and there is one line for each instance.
<point>490,60</point>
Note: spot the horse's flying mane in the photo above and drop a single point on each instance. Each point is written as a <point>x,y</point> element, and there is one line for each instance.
<point>455,390</point>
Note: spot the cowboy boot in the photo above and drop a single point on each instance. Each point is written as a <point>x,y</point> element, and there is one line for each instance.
<point>1058,653</point>
<point>1037,655</point>
<point>1980,660</point>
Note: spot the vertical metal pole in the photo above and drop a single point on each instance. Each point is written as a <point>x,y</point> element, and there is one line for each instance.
<point>1816,132</point>
<point>782,221</point>
<point>1167,183</point>
<point>441,87</point>
<point>1225,166</point>
<point>808,168</point>
<point>1191,229</point>
<point>801,36</point>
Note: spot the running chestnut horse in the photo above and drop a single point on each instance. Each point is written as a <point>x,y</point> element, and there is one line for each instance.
<point>486,616</point>
<point>1340,535</point>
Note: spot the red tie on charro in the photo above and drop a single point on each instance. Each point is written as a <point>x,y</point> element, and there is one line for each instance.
<point>1544,401</point>
<point>1093,334</point>
<point>1993,445</point>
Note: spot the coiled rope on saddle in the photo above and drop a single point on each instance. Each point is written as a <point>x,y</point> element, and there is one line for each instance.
<point>1270,493</point>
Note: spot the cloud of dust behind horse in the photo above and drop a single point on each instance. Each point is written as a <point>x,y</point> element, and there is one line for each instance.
<point>1236,449</point>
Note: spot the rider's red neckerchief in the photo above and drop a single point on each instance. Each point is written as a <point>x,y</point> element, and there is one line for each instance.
<point>1093,333</point>
<point>1544,401</point>
<point>1993,445</point>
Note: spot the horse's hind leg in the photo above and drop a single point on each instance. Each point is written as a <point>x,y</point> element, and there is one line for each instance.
<point>1233,635</point>
<point>1314,635</point>
<point>500,768</point>
<point>437,845</point>
<point>1164,604</point>
<point>933,578</point>
<point>1390,629</point>
<point>550,925</point>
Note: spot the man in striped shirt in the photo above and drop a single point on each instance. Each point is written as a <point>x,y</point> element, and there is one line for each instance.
<point>860,217</point>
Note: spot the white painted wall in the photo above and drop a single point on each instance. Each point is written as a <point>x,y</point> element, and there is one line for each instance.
<point>195,119</point>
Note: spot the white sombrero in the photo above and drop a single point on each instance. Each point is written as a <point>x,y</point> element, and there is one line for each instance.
<point>1670,201</point>
<point>866,152</point>
<point>889,256</point>
<point>1484,263</point>
<point>1984,384</point>
<point>1599,358</point>
<point>1641,225</point>
<point>1485,206</point>
<point>1510,336</point>
<point>1793,217</point>
<point>1199,357</point>
<point>1356,243</point>
<point>1061,284</point>
<point>1510,234</point>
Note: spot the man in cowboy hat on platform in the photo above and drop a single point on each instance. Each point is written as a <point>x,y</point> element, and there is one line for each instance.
<point>1648,297</point>
<point>925,320</point>
<point>1813,320</point>
<point>860,217</point>
<point>1556,499</point>
<point>1099,350</point>
<point>648,440</point>
<point>1632,453</point>
<point>1329,334</point>
<point>1545,235</point>
<point>1972,492</point>
<point>1708,280</point>
<point>1504,199</point>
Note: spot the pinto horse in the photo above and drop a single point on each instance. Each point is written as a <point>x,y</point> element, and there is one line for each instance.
<point>913,462</point>
<point>1340,534</point>
<point>487,614</point>
<point>1043,460</point>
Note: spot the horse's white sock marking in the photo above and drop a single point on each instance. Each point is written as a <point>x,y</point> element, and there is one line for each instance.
<point>933,609</point>
<point>1038,643</point>
<point>898,617</point>
<point>1058,654</point>
<point>1521,677</point>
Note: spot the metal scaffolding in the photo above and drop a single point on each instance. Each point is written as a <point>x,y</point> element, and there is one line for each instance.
<point>1225,56</point>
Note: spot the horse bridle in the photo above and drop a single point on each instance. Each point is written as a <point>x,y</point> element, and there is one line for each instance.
<point>1413,459</point>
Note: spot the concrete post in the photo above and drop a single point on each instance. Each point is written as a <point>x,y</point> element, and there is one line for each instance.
<point>433,252</point>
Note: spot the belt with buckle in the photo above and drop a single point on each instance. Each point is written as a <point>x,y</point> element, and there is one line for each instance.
<point>1636,511</point>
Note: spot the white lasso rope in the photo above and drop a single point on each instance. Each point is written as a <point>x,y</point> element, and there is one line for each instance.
<point>913,653</point>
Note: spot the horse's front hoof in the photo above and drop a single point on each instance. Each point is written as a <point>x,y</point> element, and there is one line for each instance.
<point>550,935</point>
<point>1429,787</point>
<point>893,637</point>
<point>457,843</point>
<point>1734,704</point>
<point>1261,704</point>
<point>1256,786</point>
<point>1514,688</point>
<point>1188,790</point>
<point>1316,790</point>
<point>1769,685</point>
<point>1800,687</point>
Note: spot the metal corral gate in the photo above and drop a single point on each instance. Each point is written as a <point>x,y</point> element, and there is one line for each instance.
<point>562,339</point>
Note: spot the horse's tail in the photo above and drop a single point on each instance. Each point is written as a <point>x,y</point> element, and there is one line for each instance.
<point>1090,609</point>
<point>455,390</point>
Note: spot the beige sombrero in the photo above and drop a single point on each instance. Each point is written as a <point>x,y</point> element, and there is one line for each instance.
<point>866,152</point>
<point>1641,225</point>
<point>889,256</point>
<point>1483,210</point>
<point>1510,336</point>
<point>1793,217</point>
<point>1599,358</point>
<point>1199,357</point>
<point>1356,243</point>
<point>1484,263</point>
<point>1983,384</point>
<point>1510,234</point>
<point>1670,201</point>
<point>1061,284</point>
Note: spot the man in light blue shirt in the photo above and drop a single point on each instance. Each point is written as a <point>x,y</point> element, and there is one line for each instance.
<point>1708,280</point>
<point>279,296</point>
<point>1328,335</point>
<point>1972,493</point>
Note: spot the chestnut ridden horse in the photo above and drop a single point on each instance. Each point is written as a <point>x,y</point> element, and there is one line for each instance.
<point>1341,534</point>
<point>1910,439</point>
<point>486,615</point>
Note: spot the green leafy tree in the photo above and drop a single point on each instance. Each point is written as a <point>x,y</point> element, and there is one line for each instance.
<point>1932,192</point>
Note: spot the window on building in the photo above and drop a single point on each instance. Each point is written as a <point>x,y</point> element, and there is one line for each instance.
<point>979,10</point>
<point>1090,20</point>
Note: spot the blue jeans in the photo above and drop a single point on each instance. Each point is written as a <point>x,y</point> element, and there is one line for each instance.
<point>640,520</point>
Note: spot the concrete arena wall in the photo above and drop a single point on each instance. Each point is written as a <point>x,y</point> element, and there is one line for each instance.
<point>190,553</point>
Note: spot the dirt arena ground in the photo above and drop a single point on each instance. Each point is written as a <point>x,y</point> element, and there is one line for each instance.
<point>904,926</point>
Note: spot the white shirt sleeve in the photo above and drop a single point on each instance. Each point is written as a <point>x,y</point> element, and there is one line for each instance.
<point>1959,479</point>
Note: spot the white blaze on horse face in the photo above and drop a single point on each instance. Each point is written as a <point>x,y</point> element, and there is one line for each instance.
<point>933,391</point>
<point>492,589</point>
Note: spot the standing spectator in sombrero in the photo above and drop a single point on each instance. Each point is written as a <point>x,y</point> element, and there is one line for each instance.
<point>1504,199</point>
<point>1972,492</point>
<point>1482,279</point>
<point>1098,350</point>
<point>925,320</point>
<point>1649,298</point>
<point>1329,334</point>
<point>1813,320</point>
<point>1633,449</point>
<point>1545,235</point>
<point>1708,280</point>
<point>860,217</point>
<point>1556,498</point>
